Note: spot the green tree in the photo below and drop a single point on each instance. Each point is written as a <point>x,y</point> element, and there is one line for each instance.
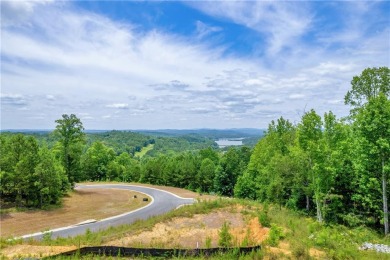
<point>96,160</point>
<point>51,181</point>
<point>69,131</point>
<point>124,168</point>
<point>206,175</point>
<point>24,169</point>
<point>369,98</point>
<point>227,172</point>
<point>152,170</point>
<point>309,138</point>
<point>369,84</point>
<point>209,153</point>
<point>339,178</point>
<point>373,127</point>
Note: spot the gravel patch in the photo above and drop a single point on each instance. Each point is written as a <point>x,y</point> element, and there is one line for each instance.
<point>377,247</point>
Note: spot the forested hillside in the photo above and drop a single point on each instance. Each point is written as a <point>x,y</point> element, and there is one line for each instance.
<point>335,169</point>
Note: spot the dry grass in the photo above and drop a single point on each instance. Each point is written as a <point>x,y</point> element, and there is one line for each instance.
<point>184,232</point>
<point>23,251</point>
<point>79,206</point>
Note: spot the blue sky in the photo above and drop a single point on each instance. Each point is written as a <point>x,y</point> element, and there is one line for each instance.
<point>178,64</point>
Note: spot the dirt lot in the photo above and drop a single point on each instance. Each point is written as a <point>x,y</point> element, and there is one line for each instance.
<point>26,251</point>
<point>193,232</point>
<point>200,230</point>
<point>79,206</point>
<point>177,233</point>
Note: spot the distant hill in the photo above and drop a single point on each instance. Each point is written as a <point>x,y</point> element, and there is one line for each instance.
<point>214,134</point>
<point>164,140</point>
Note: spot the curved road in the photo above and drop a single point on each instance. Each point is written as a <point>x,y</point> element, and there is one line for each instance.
<point>162,202</point>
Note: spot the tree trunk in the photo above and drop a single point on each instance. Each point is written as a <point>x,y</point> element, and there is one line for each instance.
<point>319,213</point>
<point>307,203</point>
<point>384,191</point>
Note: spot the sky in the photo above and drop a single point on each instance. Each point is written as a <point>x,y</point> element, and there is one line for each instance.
<point>184,64</point>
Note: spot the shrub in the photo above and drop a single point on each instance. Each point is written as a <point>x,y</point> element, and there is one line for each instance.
<point>47,237</point>
<point>300,251</point>
<point>208,242</point>
<point>225,238</point>
<point>264,219</point>
<point>275,234</point>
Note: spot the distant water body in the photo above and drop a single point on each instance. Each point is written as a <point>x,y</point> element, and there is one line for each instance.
<point>223,142</point>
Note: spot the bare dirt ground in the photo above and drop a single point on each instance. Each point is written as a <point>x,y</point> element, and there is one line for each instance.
<point>25,251</point>
<point>195,231</point>
<point>79,206</point>
<point>200,230</point>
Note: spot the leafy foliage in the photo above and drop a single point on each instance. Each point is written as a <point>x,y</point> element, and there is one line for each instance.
<point>334,169</point>
<point>225,238</point>
<point>30,176</point>
<point>71,137</point>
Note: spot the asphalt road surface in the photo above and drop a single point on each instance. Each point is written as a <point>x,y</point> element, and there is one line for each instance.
<point>162,202</point>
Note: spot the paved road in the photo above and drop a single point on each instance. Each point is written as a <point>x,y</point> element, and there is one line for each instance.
<point>162,202</point>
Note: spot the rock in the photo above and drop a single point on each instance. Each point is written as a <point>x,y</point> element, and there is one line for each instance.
<point>377,247</point>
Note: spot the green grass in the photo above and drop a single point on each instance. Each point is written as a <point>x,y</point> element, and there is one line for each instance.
<point>336,241</point>
<point>144,150</point>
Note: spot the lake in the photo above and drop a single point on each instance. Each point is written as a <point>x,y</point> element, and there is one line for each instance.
<point>223,142</point>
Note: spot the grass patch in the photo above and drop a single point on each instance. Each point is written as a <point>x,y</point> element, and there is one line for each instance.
<point>335,241</point>
<point>144,150</point>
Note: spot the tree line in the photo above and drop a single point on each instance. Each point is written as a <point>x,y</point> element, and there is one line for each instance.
<point>34,175</point>
<point>336,169</point>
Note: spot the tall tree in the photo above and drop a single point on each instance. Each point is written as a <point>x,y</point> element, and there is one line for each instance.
<point>369,98</point>
<point>69,131</point>
<point>309,137</point>
<point>369,84</point>
<point>206,175</point>
<point>227,172</point>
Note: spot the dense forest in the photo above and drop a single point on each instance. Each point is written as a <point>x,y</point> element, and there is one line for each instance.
<point>331,168</point>
<point>336,169</point>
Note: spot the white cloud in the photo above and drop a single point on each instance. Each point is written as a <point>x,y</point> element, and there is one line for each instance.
<point>281,24</point>
<point>119,106</point>
<point>19,12</point>
<point>98,68</point>
<point>203,29</point>
<point>50,97</point>
<point>13,99</point>
<point>296,96</point>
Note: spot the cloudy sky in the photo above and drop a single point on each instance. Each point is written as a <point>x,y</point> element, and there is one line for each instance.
<point>206,64</point>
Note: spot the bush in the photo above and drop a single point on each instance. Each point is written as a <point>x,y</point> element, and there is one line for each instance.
<point>275,234</point>
<point>300,251</point>
<point>264,219</point>
<point>225,238</point>
<point>47,237</point>
<point>353,220</point>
